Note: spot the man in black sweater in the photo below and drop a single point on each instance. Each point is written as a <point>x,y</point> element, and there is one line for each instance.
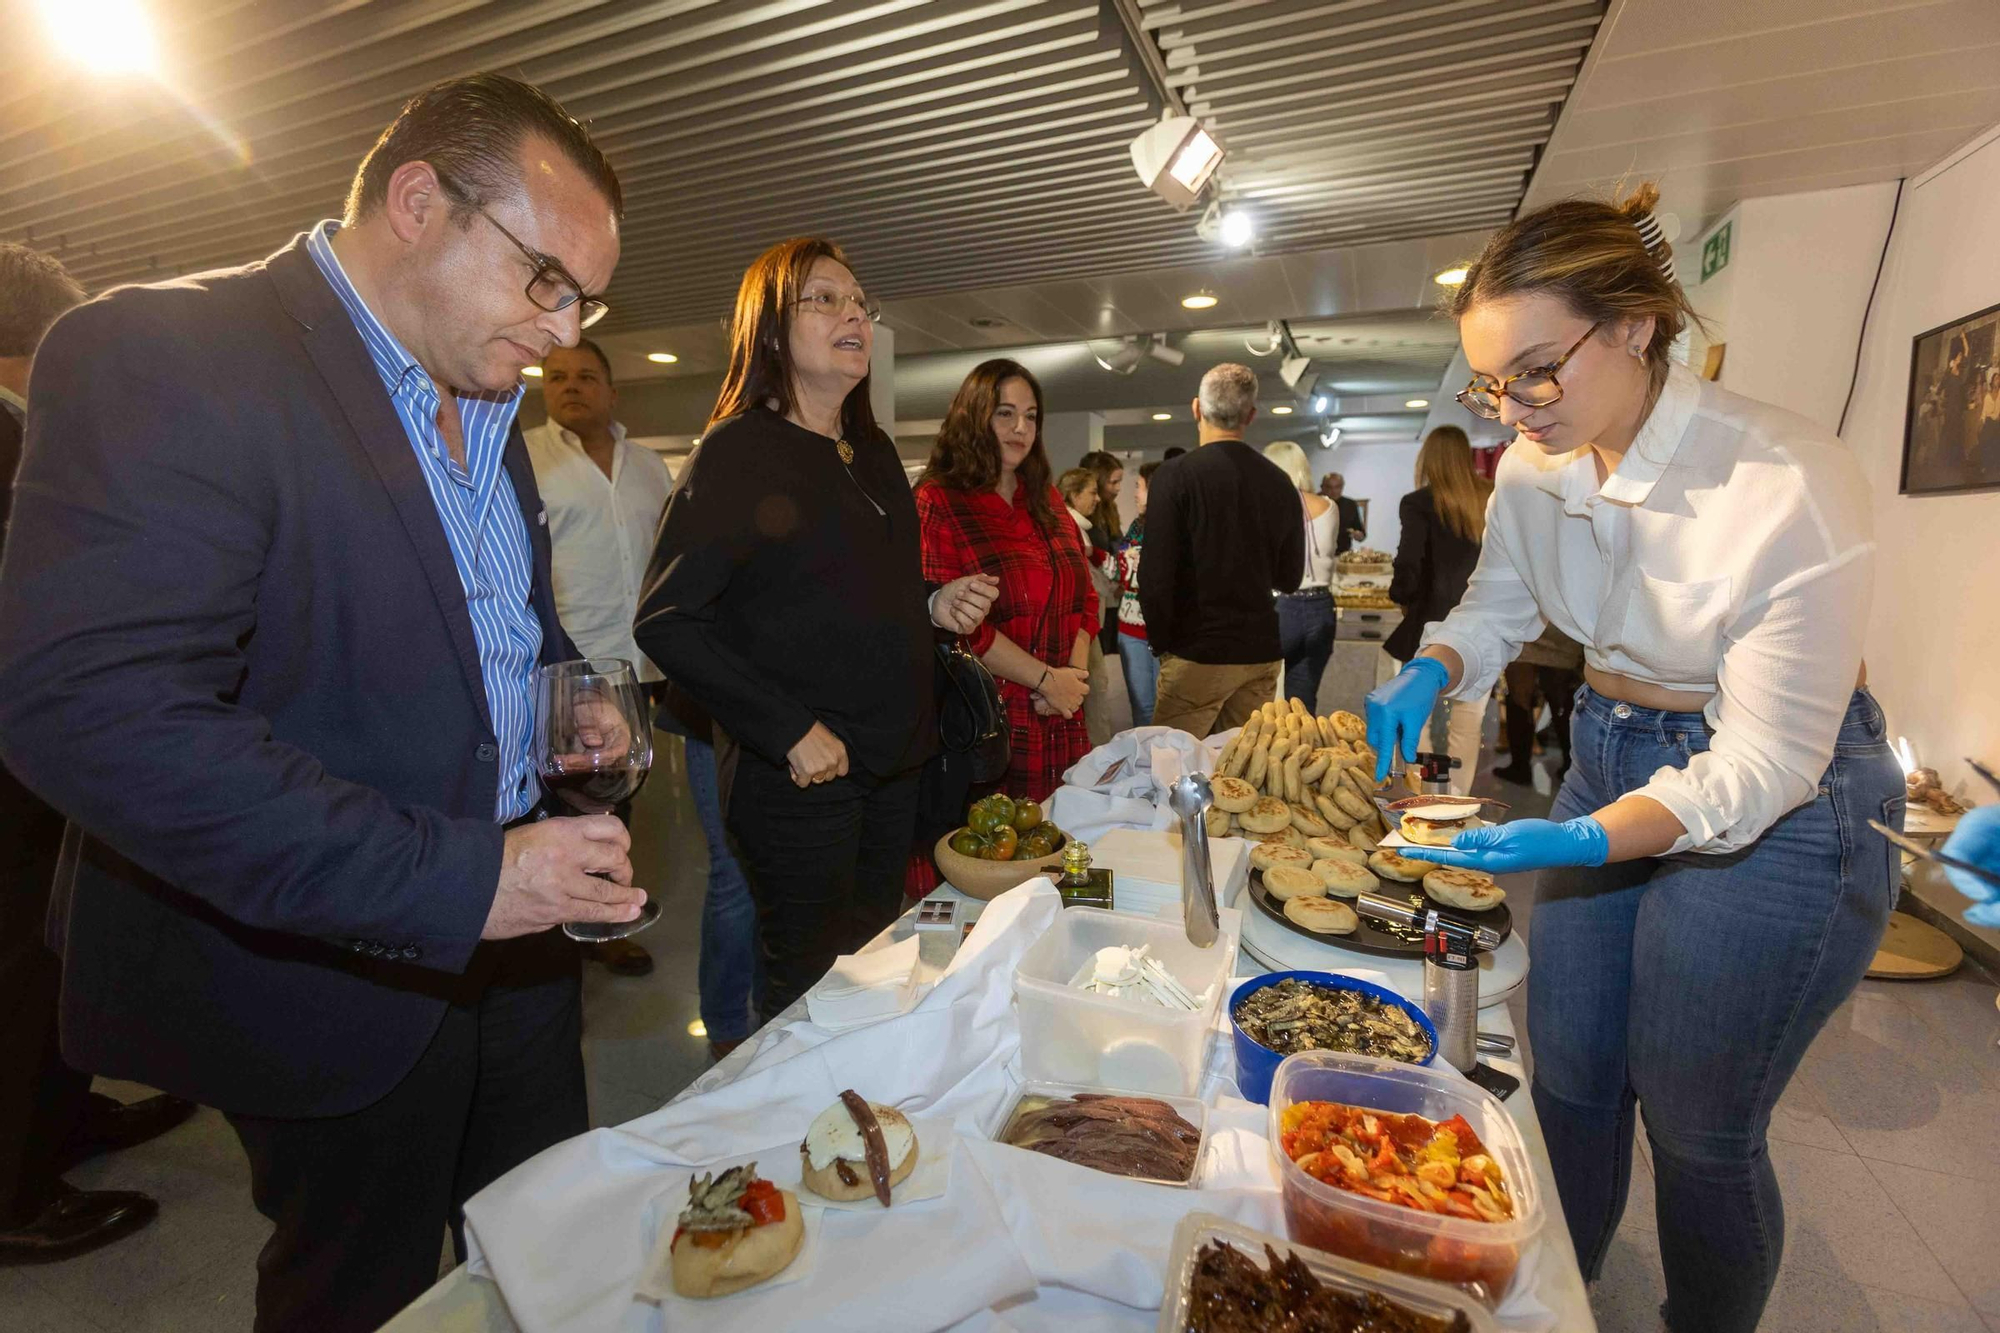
<point>1224,531</point>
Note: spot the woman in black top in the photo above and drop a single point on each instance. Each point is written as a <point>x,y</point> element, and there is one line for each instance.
<point>1444,522</point>
<point>786,597</point>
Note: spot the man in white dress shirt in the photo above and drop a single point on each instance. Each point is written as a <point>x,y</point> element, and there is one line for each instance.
<point>604,496</point>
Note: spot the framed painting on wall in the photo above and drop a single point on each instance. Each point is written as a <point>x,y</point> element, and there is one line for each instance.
<point>1951,432</point>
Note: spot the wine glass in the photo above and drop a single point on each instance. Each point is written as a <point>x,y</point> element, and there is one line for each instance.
<point>593,748</point>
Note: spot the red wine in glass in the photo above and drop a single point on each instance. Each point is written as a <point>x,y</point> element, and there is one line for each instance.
<point>593,747</point>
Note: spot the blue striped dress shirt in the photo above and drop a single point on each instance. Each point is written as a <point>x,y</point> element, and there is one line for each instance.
<point>482,523</point>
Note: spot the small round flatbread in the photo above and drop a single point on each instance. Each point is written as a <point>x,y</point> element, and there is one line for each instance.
<point>1405,869</point>
<point>1232,795</point>
<point>1348,726</point>
<point>1345,879</point>
<point>1467,890</point>
<point>1308,823</point>
<point>1355,804</point>
<point>1217,822</point>
<point>1288,882</point>
<point>1435,833</point>
<point>1267,854</point>
<point>1364,838</point>
<point>1333,847</point>
<point>1322,916</point>
<point>1267,814</point>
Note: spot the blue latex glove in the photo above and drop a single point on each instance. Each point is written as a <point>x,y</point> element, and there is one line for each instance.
<point>1977,839</point>
<point>1525,844</point>
<point>1398,710</point>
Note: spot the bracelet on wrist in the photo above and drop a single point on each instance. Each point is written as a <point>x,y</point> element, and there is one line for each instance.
<point>1046,673</point>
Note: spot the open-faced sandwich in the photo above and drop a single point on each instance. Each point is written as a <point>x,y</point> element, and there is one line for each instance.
<point>856,1148</point>
<point>1433,821</point>
<point>737,1230</point>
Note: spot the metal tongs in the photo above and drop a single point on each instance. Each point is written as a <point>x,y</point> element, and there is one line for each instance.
<point>1190,798</point>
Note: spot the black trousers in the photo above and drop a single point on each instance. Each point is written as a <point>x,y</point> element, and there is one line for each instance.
<point>41,1098</point>
<point>361,1201</point>
<point>1555,684</point>
<point>825,864</point>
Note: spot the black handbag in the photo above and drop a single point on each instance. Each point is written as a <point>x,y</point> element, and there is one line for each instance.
<point>972,718</point>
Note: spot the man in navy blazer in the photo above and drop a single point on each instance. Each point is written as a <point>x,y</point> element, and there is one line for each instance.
<point>277,578</point>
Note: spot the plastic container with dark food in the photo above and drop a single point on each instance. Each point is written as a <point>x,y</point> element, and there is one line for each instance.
<point>1122,1142</point>
<point>1427,1304</point>
<point>1479,1257</point>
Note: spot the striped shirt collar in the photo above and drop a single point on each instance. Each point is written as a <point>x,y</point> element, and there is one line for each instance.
<point>399,370</point>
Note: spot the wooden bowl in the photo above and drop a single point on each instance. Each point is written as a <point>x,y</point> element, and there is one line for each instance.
<point>986,880</point>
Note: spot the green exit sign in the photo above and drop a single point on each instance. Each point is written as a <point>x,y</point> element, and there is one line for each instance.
<point>1715,252</point>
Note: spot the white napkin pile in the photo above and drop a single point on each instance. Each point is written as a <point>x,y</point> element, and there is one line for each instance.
<point>1123,783</point>
<point>865,987</point>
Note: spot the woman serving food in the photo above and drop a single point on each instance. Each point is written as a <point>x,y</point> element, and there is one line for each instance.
<point>1710,889</point>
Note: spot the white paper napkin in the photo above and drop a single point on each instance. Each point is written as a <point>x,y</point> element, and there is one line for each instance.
<point>866,987</point>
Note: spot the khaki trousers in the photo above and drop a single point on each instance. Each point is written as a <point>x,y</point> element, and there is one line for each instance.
<point>1202,699</point>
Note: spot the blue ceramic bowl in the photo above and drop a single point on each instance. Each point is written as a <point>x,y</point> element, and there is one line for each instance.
<point>1256,1063</point>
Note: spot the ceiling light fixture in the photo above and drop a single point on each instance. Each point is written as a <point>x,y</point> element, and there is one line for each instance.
<point>1319,403</point>
<point>1451,277</point>
<point>1233,228</point>
<point>662,358</point>
<point>1418,402</point>
<point>1201,300</point>
<point>1293,368</point>
<point>106,36</point>
<point>1282,410</point>
<point>1329,437</point>
<point>1123,361</point>
<point>535,371</point>
<point>1176,158</point>
<point>1160,351</point>
<point>1163,416</point>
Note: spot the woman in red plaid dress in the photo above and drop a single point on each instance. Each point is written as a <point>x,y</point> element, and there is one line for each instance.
<point>985,505</point>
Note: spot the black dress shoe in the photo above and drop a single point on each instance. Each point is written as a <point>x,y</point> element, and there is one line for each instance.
<point>1521,776</point>
<point>78,1222</point>
<point>110,1124</point>
<point>621,957</point>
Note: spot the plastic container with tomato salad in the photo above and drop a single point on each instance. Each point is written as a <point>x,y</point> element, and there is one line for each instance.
<point>1480,1257</point>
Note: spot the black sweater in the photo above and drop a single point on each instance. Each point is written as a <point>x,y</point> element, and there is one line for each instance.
<point>1433,565</point>
<point>1224,529</point>
<point>787,588</point>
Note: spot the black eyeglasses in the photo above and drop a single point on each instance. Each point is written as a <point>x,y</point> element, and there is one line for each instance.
<point>1534,387</point>
<point>551,288</point>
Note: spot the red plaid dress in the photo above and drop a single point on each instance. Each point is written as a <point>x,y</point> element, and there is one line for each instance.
<point>1045,599</point>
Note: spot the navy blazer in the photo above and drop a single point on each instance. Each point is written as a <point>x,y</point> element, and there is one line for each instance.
<point>235,651</point>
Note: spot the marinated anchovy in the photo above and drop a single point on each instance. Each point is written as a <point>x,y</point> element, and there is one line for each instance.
<point>1122,1136</point>
<point>1231,1294</point>
<point>1296,1015</point>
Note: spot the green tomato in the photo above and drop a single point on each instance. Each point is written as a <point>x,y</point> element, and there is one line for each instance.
<point>985,819</point>
<point>1002,846</point>
<point>1027,816</point>
<point>967,843</point>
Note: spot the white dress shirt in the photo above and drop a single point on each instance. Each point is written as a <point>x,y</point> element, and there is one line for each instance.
<point>1732,553</point>
<point>602,530</point>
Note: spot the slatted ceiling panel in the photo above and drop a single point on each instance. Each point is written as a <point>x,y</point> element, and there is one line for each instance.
<point>1353,118</point>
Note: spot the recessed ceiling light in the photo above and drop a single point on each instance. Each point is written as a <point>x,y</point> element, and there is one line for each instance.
<point>105,36</point>
<point>1201,300</point>
<point>536,371</point>
<point>1418,402</point>
<point>1281,410</point>
<point>1451,277</point>
<point>1163,416</point>
<point>663,358</point>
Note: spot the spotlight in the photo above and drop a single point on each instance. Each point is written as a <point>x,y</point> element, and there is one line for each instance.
<point>1163,416</point>
<point>1292,369</point>
<point>1418,402</point>
<point>1201,300</point>
<point>1175,159</point>
<point>1451,277</point>
<point>536,371</point>
<point>105,36</point>
<point>1231,227</point>
<point>1319,403</point>
<point>1123,361</point>
<point>1282,410</point>
<point>1160,351</point>
<point>662,358</point>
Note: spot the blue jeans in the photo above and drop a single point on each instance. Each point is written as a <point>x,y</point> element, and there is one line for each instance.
<point>730,975</point>
<point>1305,635</point>
<point>1142,676</point>
<point>1692,985</point>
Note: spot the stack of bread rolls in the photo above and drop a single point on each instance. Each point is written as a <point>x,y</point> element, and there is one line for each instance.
<point>1289,776</point>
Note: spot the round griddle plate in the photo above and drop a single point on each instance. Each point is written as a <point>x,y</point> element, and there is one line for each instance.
<point>1379,937</point>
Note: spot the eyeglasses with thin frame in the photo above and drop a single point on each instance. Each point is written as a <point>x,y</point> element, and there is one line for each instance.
<point>551,288</point>
<point>834,304</point>
<point>1535,387</point>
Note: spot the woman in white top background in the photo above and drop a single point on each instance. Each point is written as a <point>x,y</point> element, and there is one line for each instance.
<point>1710,890</point>
<point>1305,617</point>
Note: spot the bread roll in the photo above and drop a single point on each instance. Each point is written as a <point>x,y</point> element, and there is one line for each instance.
<point>1267,854</point>
<point>1405,869</point>
<point>1308,823</point>
<point>1286,882</point>
<point>1322,916</point>
<point>1348,727</point>
<point>1360,807</point>
<point>1233,795</point>
<point>1292,781</point>
<point>1333,847</point>
<point>1267,815</point>
<point>1335,817</point>
<point>1345,879</point>
<point>1298,707</point>
<point>1260,762</point>
<point>746,1258</point>
<point>1216,822</point>
<point>1314,768</point>
<point>1363,838</point>
<point>1467,890</point>
<point>1436,833</point>
<point>834,1139</point>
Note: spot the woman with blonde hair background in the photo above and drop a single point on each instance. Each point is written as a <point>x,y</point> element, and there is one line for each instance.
<point>1444,521</point>
<point>1305,617</point>
<point>1710,890</point>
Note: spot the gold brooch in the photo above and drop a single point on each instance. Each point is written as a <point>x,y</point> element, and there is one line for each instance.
<point>845,450</point>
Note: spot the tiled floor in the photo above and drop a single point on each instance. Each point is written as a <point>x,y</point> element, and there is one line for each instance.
<point>1885,1145</point>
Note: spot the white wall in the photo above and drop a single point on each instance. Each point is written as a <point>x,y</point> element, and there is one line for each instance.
<point>1068,436</point>
<point>1381,474</point>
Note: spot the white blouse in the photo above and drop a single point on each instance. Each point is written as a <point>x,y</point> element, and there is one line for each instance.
<point>1322,535</point>
<point>1731,552</point>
